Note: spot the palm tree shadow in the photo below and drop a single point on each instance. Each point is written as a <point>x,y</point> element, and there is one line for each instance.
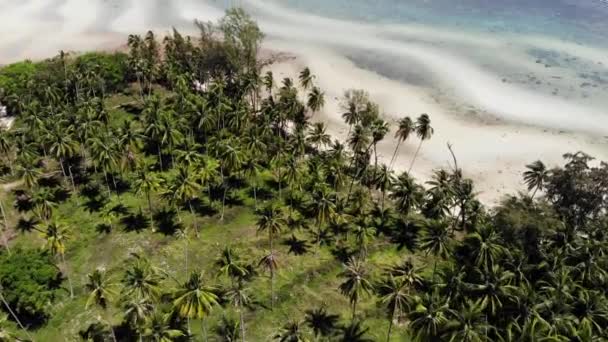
<point>135,222</point>
<point>23,201</point>
<point>203,208</point>
<point>261,194</point>
<point>25,225</point>
<point>95,204</point>
<point>343,253</point>
<point>103,228</point>
<point>166,221</point>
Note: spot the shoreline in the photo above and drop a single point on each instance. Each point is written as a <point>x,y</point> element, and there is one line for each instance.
<point>493,153</point>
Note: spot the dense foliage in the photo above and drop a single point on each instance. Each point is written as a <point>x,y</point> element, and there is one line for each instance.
<point>29,281</point>
<point>153,142</point>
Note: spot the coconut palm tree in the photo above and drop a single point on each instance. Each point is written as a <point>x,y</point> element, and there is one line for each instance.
<point>227,329</point>
<point>486,246</point>
<point>195,299</point>
<point>428,317</point>
<point>383,181</point>
<point>407,194</point>
<point>356,283</point>
<point>424,131</point>
<point>137,312</point>
<point>158,328</point>
<point>470,324</point>
<point>229,265</point>
<point>322,323</point>
<point>100,289</point>
<point>272,220</point>
<point>146,183</point>
<point>239,296</point>
<point>318,136</point>
<point>141,280</point>
<point>292,331</point>
<point>316,100</point>
<point>536,176</point>
<point>270,263</point>
<point>306,78</point>
<point>394,294</point>
<point>56,235</point>
<point>404,130</point>
<point>435,240</point>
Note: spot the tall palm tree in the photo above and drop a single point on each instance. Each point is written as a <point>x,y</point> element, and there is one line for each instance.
<point>394,294</point>
<point>404,130</point>
<point>195,299</point>
<point>146,183</point>
<point>322,323</point>
<point>318,136</point>
<point>239,296</point>
<point>229,265</point>
<point>536,176</point>
<point>101,291</point>
<point>356,283</point>
<point>56,235</point>
<point>383,181</point>
<point>291,332</point>
<point>271,219</point>
<point>270,263</point>
<point>424,131</point>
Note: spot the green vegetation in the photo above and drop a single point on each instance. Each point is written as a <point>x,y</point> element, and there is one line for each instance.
<point>179,192</point>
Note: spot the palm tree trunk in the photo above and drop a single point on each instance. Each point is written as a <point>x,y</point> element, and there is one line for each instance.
<point>534,193</point>
<point>415,156</point>
<point>390,325</point>
<point>10,310</point>
<point>160,157</point>
<point>242,319</point>
<point>193,214</point>
<point>72,178</point>
<point>394,155</point>
<point>4,238</point>
<point>150,210</point>
<point>204,324</point>
<point>354,310</point>
<point>105,175</point>
<point>67,274</point>
<point>271,289</point>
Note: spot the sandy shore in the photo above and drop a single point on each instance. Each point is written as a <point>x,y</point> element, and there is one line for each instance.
<point>492,153</point>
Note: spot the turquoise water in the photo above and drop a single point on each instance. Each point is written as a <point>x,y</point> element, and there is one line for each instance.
<point>585,20</point>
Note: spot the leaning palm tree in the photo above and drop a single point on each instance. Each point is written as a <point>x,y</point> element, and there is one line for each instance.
<point>101,291</point>
<point>292,331</point>
<point>356,283</point>
<point>536,176</point>
<point>394,294</point>
<point>195,299</point>
<point>55,235</point>
<point>404,130</point>
<point>407,193</point>
<point>424,131</point>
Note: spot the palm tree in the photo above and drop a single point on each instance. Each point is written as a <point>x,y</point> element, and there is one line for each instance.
<point>394,295</point>
<point>195,299</point>
<point>291,332</point>
<point>428,318</point>
<point>44,201</point>
<point>136,313</point>
<point>424,131</point>
<point>229,264</point>
<point>318,136</point>
<point>158,328</point>
<point>100,291</point>
<point>470,324</point>
<point>435,240</point>
<point>406,193</point>
<point>486,246</point>
<point>356,283</point>
<point>141,280</point>
<point>379,130</point>
<point>227,329</point>
<point>183,188</point>
<point>536,176</point>
<point>271,264</point>
<point>383,181</point>
<point>272,220</point>
<point>306,78</point>
<point>404,130</point>
<point>321,322</point>
<point>55,235</point>
<point>239,296</point>
<point>354,332</point>
<point>316,100</point>
<point>28,172</point>
<point>146,183</point>
<point>208,174</point>
<point>13,315</point>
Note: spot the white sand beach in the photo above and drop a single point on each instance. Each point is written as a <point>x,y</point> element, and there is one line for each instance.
<point>475,87</point>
